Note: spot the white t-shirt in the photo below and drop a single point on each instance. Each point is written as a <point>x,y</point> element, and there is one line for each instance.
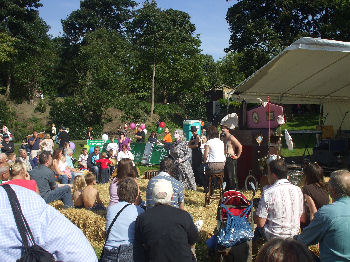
<point>216,150</point>
<point>122,155</point>
<point>282,205</point>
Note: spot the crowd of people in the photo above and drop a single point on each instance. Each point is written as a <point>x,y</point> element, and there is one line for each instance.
<point>288,218</point>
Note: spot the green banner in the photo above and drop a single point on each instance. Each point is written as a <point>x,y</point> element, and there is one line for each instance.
<point>137,149</point>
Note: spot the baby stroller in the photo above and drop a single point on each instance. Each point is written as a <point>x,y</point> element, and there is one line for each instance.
<point>234,206</point>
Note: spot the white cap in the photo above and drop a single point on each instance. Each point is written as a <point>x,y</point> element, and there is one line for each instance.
<point>162,192</point>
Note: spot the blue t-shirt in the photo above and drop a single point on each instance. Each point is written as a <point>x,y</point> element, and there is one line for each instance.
<point>36,145</point>
<point>123,230</point>
<point>331,228</point>
<point>178,190</point>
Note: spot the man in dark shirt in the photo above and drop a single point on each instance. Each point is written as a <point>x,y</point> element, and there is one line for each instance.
<point>34,144</point>
<point>46,182</point>
<point>91,164</point>
<point>140,135</point>
<point>7,145</point>
<point>63,137</point>
<point>164,232</point>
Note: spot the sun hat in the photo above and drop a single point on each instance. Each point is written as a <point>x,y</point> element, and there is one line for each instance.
<point>162,192</point>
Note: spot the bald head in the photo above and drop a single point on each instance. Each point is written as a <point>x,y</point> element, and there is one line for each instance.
<point>340,184</point>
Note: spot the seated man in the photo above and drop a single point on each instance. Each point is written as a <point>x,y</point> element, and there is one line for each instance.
<point>331,224</point>
<point>166,172</point>
<point>91,164</point>
<point>24,158</point>
<point>164,232</point>
<point>46,182</point>
<point>281,204</point>
<point>4,173</point>
<point>51,230</point>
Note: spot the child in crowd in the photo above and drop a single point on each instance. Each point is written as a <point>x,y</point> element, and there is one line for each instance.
<point>90,195</point>
<point>83,159</point>
<point>104,169</point>
<point>62,165</point>
<point>78,186</point>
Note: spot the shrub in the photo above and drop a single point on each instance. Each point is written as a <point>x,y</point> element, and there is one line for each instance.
<point>78,113</point>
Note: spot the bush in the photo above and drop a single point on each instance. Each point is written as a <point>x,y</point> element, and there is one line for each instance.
<point>41,107</point>
<point>78,113</point>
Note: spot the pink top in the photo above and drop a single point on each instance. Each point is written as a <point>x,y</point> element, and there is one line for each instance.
<point>29,184</point>
<point>113,192</point>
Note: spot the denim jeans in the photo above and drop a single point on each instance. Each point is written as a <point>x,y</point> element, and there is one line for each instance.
<point>96,171</point>
<point>123,253</point>
<point>60,193</point>
<point>63,179</point>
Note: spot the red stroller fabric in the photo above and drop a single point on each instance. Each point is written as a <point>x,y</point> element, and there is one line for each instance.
<point>234,201</point>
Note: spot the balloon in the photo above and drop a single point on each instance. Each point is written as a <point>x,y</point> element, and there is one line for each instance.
<point>162,124</point>
<point>87,147</point>
<point>159,130</point>
<point>72,146</point>
<point>104,137</point>
<point>91,149</point>
<point>143,126</point>
<point>132,125</point>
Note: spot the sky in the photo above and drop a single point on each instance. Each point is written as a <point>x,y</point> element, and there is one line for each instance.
<point>209,17</point>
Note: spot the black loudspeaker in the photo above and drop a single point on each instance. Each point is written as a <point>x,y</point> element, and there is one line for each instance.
<point>324,157</point>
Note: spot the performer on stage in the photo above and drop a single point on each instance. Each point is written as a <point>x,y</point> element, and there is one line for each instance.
<point>233,150</point>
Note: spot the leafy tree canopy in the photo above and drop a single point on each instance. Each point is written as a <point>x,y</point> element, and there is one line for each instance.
<point>95,14</point>
<point>260,29</point>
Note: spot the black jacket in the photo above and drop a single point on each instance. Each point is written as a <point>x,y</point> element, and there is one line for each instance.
<point>8,148</point>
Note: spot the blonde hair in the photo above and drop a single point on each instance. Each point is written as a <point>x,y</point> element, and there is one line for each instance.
<point>104,155</point>
<point>47,136</point>
<point>79,183</point>
<point>17,168</point>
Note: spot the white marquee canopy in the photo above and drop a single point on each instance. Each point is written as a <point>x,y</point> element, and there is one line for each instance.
<point>309,71</point>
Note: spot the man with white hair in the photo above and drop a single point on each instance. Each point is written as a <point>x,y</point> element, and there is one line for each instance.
<point>165,233</point>
<point>4,173</point>
<point>331,224</point>
<point>3,159</point>
<point>24,158</point>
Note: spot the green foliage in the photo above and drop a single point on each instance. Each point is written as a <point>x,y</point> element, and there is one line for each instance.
<point>260,29</point>
<point>78,113</point>
<point>7,47</point>
<point>40,107</point>
<point>105,60</point>
<point>95,14</point>
<point>165,38</point>
<point>7,116</point>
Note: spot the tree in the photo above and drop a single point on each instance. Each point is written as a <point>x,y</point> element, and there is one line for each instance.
<point>23,74</point>
<point>166,44</point>
<point>105,62</point>
<point>229,71</point>
<point>260,29</point>
<point>94,14</point>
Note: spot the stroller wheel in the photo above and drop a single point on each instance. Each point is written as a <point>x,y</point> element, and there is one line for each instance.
<point>250,179</point>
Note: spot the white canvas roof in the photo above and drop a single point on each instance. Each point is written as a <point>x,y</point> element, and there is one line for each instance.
<point>309,71</point>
